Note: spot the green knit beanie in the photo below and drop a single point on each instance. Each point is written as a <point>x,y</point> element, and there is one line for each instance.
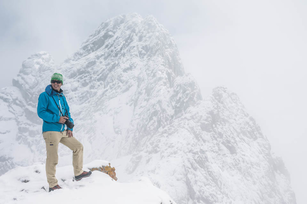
<point>57,76</point>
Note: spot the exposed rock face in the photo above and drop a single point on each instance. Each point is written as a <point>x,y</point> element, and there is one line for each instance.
<point>132,101</point>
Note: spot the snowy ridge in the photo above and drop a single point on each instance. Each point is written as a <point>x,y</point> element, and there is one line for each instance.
<point>218,155</point>
<point>134,105</point>
<point>27,185</point>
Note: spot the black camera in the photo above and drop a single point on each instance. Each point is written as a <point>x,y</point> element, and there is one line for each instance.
<point>69,124</point>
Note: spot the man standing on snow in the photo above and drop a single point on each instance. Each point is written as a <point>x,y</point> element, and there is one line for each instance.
<point>54,110</point>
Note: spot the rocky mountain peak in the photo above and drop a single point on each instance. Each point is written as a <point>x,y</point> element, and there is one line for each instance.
<point>130,37</point>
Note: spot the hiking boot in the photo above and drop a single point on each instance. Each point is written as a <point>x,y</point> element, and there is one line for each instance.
<point>55,188</point>
<point>83,175</point>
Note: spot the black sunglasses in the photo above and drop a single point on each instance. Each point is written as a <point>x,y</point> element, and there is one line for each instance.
<point>56,81</point>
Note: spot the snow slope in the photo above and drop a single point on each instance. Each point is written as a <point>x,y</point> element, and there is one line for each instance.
<point>25,185</point>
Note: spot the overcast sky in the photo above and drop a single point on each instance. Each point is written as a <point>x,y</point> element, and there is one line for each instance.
<point>257,49</point>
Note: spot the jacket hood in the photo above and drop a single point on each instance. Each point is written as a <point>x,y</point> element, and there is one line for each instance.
<point>49,90</point>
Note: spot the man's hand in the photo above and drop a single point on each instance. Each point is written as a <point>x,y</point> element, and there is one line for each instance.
<point>69,133</point>
<point>63,119</point>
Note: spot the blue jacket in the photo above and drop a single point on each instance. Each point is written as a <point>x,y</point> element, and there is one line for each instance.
<point>47,109</point>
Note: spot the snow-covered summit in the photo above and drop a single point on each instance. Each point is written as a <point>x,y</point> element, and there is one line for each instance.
<point>27,185</point>
<point>134,105</point>
<point>130,37</point>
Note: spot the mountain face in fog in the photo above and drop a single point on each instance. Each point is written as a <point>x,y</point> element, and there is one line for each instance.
<point>133,104</point>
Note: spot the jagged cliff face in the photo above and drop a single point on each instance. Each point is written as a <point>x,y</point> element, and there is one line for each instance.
<point>132,101</point>
<point>214,153</point>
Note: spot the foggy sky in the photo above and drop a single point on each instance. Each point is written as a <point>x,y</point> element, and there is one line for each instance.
<point>257,49</point>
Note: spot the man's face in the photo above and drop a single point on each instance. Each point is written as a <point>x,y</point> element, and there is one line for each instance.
<point>56,85</point>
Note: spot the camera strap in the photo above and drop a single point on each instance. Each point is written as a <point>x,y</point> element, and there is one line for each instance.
<point>57,106</point>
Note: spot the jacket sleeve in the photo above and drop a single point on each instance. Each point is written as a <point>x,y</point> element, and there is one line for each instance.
<point>43,112</point>
<point>68,112</point>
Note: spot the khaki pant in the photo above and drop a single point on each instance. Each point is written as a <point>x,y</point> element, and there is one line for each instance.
<point>52,140</point>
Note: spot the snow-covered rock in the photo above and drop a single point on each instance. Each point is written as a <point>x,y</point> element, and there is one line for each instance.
<point>133,104</point>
